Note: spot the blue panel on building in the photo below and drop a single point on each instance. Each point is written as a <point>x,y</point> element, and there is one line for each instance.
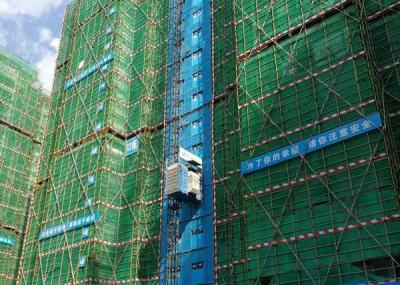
<point>312,144</point>
<point>132,146</point>
<point>7,241</point>
<point>69,226</point>
<point>195,234</point>
<point>89,71</point>
<point>196,252</point>
<point>197,267</point>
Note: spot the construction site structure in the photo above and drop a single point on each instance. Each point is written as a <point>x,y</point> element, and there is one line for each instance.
<point>95,218</point>
<point>221,142</point>
<point>23,110</point>
<point>306,141</point>
<point>187,255</point>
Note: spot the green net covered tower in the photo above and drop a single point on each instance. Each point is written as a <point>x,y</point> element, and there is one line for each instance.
<point>23,110</point>
<point>306,191</point>
<point>95,218</point>
<point>304,144</point>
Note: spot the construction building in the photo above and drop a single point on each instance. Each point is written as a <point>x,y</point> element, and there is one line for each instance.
<point>306,178</point>
<point>221,142</point>
<point>23,110</point>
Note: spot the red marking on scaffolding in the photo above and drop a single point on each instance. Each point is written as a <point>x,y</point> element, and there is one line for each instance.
<point>10,228</point>
<point>7,276</point>
<point>230,265</point>
<point>107,130</point>
<point>213,145</point>
<point>386,11</point>
<point>108,206</point>
<point>391,115</point>
<point>326,232</point>
<point>313,20</point>
<point>20,130</point>
<point>12,208</point>
<point>386,67</point>
<point>231,217</point>
<point>103,242</point>
<point>113,282</point>
<point>310,125</point>
<point>314,176</point>
<point>309,77</point>
<point>229,134</point>
<point>232,172</point>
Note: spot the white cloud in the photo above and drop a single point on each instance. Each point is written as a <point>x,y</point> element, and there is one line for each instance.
<point>38,45</point>
<point>12,35</point>
<point>30,8</point>
<point>3,35</point>
<point>45,35</point>
<point>55,43</point>
<point>47,62</point>
<point>46,66</point>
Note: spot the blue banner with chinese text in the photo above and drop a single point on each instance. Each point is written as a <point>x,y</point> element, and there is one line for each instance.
<point>69,226</point>
<point>312,144</point>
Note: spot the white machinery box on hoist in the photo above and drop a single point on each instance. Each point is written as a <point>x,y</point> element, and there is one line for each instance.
<point>184,178</point>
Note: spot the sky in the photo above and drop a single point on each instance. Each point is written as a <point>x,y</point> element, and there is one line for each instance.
<point>31,29</point>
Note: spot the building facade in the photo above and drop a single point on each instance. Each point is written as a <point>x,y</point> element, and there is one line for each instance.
<point>23,112</point>
<point>301,198</point>
<point>292,108</point>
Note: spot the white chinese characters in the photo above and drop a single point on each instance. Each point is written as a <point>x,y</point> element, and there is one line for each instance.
<point>313,143</point>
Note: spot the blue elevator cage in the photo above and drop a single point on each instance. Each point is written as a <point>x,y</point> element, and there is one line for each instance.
<point>195,247</point>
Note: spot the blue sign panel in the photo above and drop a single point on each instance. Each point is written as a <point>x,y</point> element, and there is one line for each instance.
<point>7,241</point>
<point>132,146</point>
<point>82,261</point>
<point>85,233</point>
<point>91,180</point>
<point>312,144</point>
<point>69,226</point>
<point>89,71</point>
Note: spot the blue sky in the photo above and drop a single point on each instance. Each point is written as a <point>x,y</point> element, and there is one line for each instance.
<point>31,29</point>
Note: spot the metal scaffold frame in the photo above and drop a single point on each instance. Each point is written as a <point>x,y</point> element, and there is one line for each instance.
<point>23,106</point>
<point>236,211</point>
<point>283,73</point>
<point>147,134</point>
<point>173,126</point>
